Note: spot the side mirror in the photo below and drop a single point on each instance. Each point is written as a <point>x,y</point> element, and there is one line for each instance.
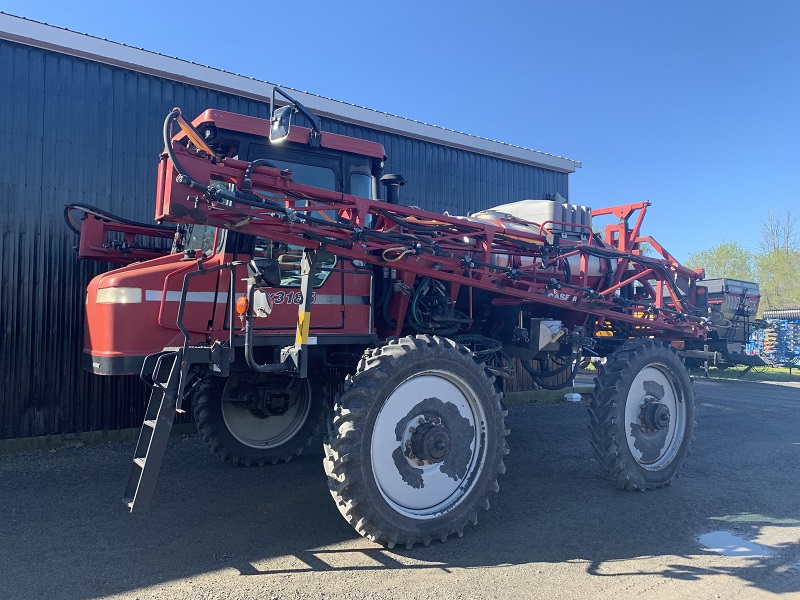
<point>280,123</point>
<point>265,272</point>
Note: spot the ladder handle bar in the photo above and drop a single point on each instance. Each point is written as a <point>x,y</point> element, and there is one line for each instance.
<point>201,271</point>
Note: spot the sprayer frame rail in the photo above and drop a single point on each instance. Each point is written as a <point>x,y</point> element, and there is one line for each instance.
<point>451,249</point>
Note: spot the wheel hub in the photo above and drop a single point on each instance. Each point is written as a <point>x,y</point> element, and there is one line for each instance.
<point>430,442</point>
<point>265,401</point>
<point>264,415</point>
<point>655,416</point>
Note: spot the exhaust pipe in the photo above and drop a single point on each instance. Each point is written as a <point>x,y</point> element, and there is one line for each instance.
<point>393,183</point>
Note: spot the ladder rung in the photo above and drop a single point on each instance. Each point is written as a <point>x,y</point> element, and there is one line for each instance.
<point>154,435</point>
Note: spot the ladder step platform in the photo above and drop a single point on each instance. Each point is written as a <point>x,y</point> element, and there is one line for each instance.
<point>153,438</point>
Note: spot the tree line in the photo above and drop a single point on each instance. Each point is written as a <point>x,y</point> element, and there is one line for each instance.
<point>774,265</point>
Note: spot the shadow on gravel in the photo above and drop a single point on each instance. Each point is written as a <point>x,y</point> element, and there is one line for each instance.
<point>64,532</point>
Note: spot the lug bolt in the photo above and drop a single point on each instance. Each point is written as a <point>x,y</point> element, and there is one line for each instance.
<point>411,456</point>
<point>412,429</point>
<point>408,443</point>
<point>421,420</point>
<point>421,463</point>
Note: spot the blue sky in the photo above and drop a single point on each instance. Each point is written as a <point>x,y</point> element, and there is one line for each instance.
<point>693,105</point>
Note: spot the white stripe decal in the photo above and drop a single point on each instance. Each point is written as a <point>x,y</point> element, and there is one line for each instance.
<point>337,299</point>
<point>172,296</point>
<point>222,297</point>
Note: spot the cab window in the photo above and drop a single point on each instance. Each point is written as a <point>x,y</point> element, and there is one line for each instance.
<point>289,257</point>
<point>361,185</point>
<point>321,177</point>
<point>201,237</point>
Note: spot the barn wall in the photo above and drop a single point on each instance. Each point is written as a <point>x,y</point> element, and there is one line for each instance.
<point>74,130</point>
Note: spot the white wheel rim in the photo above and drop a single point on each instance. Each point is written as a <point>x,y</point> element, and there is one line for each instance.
<point>654,448</point>
<point>441,489</point>
<point>269,432</point>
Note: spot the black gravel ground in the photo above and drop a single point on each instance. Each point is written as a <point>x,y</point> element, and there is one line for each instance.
<point>557,529</point>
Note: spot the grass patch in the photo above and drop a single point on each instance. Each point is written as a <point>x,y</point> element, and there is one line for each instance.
<point>779,374</point>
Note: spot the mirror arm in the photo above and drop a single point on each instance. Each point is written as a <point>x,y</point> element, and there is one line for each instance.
<point>315,135</point>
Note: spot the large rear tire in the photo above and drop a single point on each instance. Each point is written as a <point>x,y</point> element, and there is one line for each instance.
<point>642,415</point>
<point>242,433</point>
<point>417,442</point>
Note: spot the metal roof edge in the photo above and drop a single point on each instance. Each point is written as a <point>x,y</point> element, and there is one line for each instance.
<point>65,41</point>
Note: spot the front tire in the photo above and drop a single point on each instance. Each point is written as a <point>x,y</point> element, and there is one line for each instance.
<point>417,442</point>
<point>242,433</point>
<point>642,415</point>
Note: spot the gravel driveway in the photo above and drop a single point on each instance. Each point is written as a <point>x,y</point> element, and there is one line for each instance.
<point>556,530</point>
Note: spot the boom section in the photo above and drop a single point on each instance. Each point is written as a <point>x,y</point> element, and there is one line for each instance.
<point>517,261</point>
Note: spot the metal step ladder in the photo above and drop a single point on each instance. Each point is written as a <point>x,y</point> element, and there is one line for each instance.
<point>158,419</point>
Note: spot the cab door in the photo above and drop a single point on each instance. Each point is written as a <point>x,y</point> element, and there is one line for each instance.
<point>317,169</point>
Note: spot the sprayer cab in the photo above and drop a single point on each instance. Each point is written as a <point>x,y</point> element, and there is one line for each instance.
<point>132,312</point>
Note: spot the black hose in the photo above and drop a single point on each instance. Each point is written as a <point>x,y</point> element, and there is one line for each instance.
<point>492,345</point>
<point>536,376</point>
<point>387,298</point>
<point>558,371</point>
<point>248,173</point>
<point>168,141</point>
<point>99,212</point>
<point>567,271</point>
<point>414,320</point>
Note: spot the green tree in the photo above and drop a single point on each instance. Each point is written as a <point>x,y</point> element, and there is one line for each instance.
<point>728,259</point>
<point>778,278</point>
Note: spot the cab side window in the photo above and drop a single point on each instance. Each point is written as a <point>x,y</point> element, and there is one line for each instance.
<point>289,257</point>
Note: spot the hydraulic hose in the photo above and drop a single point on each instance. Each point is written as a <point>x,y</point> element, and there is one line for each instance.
<point>567,271</point>
<point>168,141</point>
<point>385,300</point>
<point>536,376</point>
<point>559,370</point>
<point>414,320</point>
<point>248,173</point>
<point>492,345</point>
<point>99,212</point>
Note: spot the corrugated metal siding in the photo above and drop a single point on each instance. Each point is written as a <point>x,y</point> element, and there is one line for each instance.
<point>440,178</point>
<point>80,131</point>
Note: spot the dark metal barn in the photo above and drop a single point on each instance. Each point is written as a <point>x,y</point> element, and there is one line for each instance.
<point>80,120</point>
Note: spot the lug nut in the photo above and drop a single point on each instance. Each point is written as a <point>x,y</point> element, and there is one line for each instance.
<point>412,429</point>
<point>421,463</point>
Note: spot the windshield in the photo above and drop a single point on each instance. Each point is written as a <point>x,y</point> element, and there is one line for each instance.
<point>321,177</point>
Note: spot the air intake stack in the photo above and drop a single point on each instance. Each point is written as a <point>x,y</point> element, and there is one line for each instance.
<point>393,183</point>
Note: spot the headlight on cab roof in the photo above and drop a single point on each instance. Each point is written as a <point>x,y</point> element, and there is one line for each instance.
<point>119,295</point>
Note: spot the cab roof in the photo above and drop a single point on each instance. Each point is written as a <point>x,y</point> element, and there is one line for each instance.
<point>260,127</point>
